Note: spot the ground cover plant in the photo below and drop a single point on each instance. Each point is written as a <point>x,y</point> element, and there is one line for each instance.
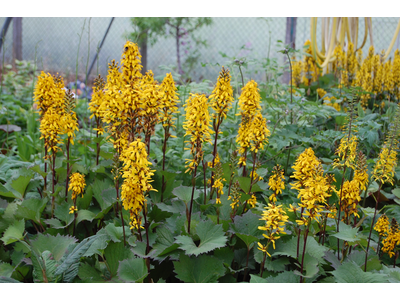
<point>238,182</point>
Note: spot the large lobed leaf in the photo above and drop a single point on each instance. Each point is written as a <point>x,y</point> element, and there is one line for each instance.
<point>202,269</point>
<point>211,237</point>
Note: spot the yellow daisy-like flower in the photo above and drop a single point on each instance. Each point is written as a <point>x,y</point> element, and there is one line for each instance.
<point>48,93</point>
<point>392,239</point>
<point>73,209</point>
<point>197,126</point>
<point>131,62</point>
<point>77,185</point>
<point>137,176</point>
<point>52,126</point>
<point>275,219</point>
<point>221,97</point>
<point>168,101</point>
<point>276,182</point>
<point>382,225</point>
<point>263,248</point>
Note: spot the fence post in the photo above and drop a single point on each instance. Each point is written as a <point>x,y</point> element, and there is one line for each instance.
<point>17,39</point>
<point>290,39</point>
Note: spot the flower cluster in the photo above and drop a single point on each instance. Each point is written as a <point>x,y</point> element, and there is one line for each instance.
<point>276,182</point>
<point>77,185</point>
<point>168,101</point>
<point>392,238</point>
<point>137,177</point>
<point>275,218</point>
<point>222,96</point>
<point>98,97</point>
<point>197,126</point>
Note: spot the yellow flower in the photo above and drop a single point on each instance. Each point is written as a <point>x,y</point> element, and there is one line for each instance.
<point>52,126</point>
<point>350,193</point>
<point>48,93</point>
<point>258,132</point>
<point>382,225</point>
<point>168,101</point>
<point>221,97</point>
<point>249,100</point>
<point>137,176</point>
<point>131,62</point>
<point>252,201</point>
<point>392,239</point>
<point>73,209</point>
<point>384,167</point>
<point>275,219</point>
<point>347,152</point>
<point>197,126</point>
<point>276,182</point>
<point>263,248</point>
<point>304,167</point>
<point>77,185</point>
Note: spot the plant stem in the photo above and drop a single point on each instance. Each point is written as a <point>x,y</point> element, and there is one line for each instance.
<point>247,263</point>
<point>166,129</point>
<point>370,230</point>
<point>304,250</point>
<point>146,227</point>
<point>205,183</point>
<point>68,170</point>
<point>52,197</point>
<point>262,264</point>
<point>191,199</point>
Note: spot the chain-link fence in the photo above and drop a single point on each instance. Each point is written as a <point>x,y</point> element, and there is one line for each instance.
<point>62,44</point>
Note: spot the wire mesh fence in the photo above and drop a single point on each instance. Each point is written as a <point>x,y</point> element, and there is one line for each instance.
<point>69,45</point>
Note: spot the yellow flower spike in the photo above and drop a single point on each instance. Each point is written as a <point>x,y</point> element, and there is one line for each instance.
<point>392,239</point>
<point>131,62</point>
<point>276,182</point>
<point>168,101</point>
<point>221,97</point>
<point>382,225</point>
<point>137,176</point>
<point>275,219</point>
<point>77,185</point>
<point>197,126</point>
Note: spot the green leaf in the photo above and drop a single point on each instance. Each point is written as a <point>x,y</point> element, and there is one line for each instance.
<point>247,224</point>
<point>88,274</point>
<point>71,262</point>
<point>99,244</point>
<point>165,243</point>
<point>310,267</point>
<point>14,232</point>
<point>114,253</point>
<point>289,248</point>
<point>132,270</point>
<point>6,269</point>
<point>347,233</point>
<point>284,277</point>
<point>350,272</point>
<point>36,168</point>
<point>396,192</point>
<point>57,245</point>
<point>19,182</point>
<point>184,193</point>
<point>211,237</point>
<point>31,209</point>
<point>8,280</point>
<point>103,193</point>
<point>116,233</point>
<point>84,214</point>
<point>244,183</point>
<point>202,269</point>
<point>44,267</point>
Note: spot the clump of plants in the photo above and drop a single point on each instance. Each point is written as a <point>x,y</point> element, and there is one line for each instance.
<point>197,188</point>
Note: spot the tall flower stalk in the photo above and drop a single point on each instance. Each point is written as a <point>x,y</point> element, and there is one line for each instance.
<point>168,107</point>
<point>95,107</point>
<point>221,101</point>
<point>197,126</point>
<point>249,104</point>
<point>384,168</point>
